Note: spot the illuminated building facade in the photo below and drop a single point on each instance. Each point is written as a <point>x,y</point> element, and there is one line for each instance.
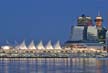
<point>85,32</point>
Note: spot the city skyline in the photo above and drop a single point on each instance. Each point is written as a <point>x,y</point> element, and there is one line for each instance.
<point>44,20</point>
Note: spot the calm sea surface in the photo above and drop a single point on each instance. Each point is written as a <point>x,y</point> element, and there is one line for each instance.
<point>54,65</point>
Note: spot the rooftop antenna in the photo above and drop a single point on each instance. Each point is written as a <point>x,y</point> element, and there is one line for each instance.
<point>82,10</point>
<point>99,14</point>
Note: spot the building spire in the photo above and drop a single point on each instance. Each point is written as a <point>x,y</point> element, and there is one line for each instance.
<point>99,20</point>
<point>99,17</point>
<point>99,14</point>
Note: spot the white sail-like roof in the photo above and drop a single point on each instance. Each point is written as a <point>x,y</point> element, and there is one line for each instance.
<point>57,45</point>
<point>32,45</point>
<point>40,45</point>
<point>6,47</point>
<point>22,45</point>
<point>17,47</point>
<point>49,45</point>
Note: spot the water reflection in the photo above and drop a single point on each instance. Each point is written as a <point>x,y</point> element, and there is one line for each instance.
<point>53,65</point>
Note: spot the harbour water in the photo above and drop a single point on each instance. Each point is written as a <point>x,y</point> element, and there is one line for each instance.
<point>53,65</point>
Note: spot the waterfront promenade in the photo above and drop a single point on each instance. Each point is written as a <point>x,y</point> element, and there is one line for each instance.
<point>44,53</point>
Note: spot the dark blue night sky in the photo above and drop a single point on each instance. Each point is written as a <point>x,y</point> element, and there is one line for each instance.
<point>44,19</point>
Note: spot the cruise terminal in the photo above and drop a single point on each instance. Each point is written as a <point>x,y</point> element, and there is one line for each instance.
<point>87,39</point>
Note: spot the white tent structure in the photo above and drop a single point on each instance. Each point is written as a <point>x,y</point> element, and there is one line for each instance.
<point>40,45</point>
<point>6,47</point>
<point>32,45</point>
<point>17,47</point>
<point>22,45</point>
<point>57,45</point>
<point>49,45</point>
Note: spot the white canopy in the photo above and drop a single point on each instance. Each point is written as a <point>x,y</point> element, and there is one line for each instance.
<point>17,47</point>
<point>57,45</point>
<point>49,45</point>
<point>6,47</point>
<point>40,45</point>
<point>32,45</point>
<point>22,45</point>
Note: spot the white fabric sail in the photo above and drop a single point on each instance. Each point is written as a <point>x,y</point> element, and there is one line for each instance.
<point>22,45</point>
<point>49,45</point>
<point>32,45</point>
<point>40,45</point>
<point>17,47</point>
<point>57,45</point>
<point>6,47</point>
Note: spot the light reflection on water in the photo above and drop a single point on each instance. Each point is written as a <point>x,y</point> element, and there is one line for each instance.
<point>53,65</point>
